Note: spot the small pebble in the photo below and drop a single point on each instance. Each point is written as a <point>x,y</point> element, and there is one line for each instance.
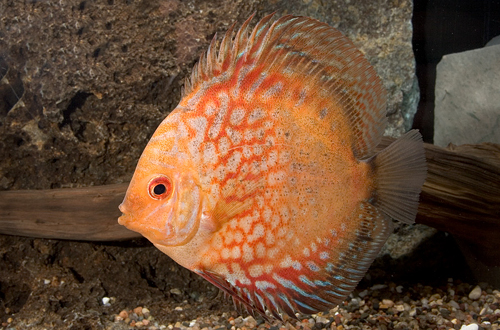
<point>399,308</point>
<point>472,326</point>
<point>475,293</point>
<point>378,287</point>
<point>145,312</point>
<point>176,291</point>
<point>387,303</point>
<point>363,294</point>
<point>321,319</point>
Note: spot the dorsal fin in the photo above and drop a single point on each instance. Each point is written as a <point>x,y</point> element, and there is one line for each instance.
<point>327,61</point>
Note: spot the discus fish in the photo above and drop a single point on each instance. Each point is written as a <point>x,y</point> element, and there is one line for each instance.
<point>264,179</point>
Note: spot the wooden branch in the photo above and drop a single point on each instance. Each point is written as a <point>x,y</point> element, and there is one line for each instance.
<point>86,214</point>
<point>461,196</point>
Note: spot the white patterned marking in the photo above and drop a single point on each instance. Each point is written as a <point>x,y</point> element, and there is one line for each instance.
<point>199,124</point>
<point>237,116</point>
<point>210,109</point>
<point>237,274</point>
<point>286,262</point>
<point>314,248</point>
<point>238,237</point>
<point>255,270</point>
<point>236,252</point>
<point>270,238</point>
<point>225,253</point>
<point>220,116</point>
<point>233,162</point>
<point>258,232</point>
<point>210,154</point>
<point>250,93</point>
<point>247,253</point>
<point>273,91</point>
<point>297,265</point>
<point>264,285</point>
<point>249,134</point>
<point>234,135</point>
<point>302,98</point>
<point>271,253</point>
<point>260,250</point>
<point>255,115</point>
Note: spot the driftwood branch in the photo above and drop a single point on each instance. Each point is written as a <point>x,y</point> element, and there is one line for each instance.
<point>88,214</point>
<point>461,196</point>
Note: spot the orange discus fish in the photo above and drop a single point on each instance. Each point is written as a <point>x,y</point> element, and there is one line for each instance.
<point>264,179</point>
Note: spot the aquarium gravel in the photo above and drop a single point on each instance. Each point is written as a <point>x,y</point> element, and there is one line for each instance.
<point>382,306</point>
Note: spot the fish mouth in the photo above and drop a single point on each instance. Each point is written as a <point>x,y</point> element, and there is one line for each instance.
<point>122,208</point>
<point>122,219</point>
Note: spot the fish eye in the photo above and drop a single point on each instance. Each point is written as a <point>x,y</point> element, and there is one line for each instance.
<point>159,187</point>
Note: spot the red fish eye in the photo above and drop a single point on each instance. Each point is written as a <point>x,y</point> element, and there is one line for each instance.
<point>159,187</point>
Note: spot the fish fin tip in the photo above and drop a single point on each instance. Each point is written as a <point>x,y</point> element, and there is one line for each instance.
<point>400,174</point>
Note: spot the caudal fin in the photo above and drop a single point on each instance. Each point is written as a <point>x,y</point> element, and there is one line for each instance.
<point>400,173</point>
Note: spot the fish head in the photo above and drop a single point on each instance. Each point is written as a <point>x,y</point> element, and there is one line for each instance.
<point>164,201</point>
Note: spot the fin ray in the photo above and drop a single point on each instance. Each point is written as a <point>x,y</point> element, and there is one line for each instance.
<point>400,173</point>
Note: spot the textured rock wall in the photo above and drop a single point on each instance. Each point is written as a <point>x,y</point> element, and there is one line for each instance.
<point>468,97</point>
<point>83,84</point>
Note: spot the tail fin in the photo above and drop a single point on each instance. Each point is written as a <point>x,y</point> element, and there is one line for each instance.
<point>400,173</point>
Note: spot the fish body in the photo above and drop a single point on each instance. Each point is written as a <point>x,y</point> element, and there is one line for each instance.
<point>264,179</point>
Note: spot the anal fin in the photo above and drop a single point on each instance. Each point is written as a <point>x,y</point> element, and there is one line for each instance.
<point>358,252</point>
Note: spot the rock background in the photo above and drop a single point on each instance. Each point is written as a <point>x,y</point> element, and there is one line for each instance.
<point>84,84</point>
<point>467,101</point>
